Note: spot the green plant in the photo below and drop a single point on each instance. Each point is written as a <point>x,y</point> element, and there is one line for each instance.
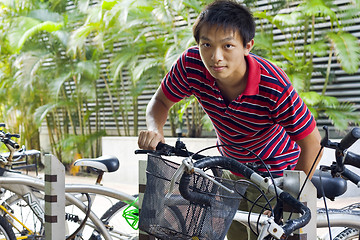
<point>303,42</point>
<point>41,77</point>
<point>152,36</point>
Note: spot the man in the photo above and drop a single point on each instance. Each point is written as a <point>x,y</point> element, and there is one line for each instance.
<point>249,100</point>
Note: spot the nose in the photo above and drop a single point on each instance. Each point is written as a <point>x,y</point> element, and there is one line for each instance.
<point>217,55</point>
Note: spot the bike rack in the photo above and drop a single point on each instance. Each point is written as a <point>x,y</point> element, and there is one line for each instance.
<point>54,198</point>
<point>293,182</point>
<point>142,186</point>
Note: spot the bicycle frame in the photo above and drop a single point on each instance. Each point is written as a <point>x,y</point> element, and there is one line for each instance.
<point>338,219</point>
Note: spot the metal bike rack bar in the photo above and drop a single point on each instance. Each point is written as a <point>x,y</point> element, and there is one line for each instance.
<point>54,198</point>
<point>293,182</point>
<point>142,185</point>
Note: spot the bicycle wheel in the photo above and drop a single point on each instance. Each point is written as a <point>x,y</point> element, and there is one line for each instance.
<point>21,217</point>
<point>118,225</point>
<point>6,231</point>
<point>348,234</point>
<point>25,222</point>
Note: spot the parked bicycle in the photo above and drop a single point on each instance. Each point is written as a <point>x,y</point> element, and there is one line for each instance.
<point>181,205</point>
<point>182,202</point>
<point>22,202</point>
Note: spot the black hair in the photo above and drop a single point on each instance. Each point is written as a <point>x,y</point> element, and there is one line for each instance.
<point>229,15</point>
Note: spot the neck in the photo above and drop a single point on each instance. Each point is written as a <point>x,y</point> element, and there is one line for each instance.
<point>231,92</point>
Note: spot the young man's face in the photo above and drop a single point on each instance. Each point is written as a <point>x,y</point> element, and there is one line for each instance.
<point>223,53</point>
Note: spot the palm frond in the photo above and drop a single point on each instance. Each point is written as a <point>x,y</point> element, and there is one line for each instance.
<point>347,50</point>
<point>44,26</point>
<point>318,8</point>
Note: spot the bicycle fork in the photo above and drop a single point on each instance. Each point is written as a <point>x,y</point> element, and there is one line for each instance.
<point>17,220</point>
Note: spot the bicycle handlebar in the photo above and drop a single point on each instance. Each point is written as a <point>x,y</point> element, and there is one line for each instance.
<point>293,224</point>
<point>349,139</point>
<point>6,139</point>
<point>343,157</point>
<point>164,149</point>
<point>351,176</point>
<point>352,159</point>
<point>237,167</point>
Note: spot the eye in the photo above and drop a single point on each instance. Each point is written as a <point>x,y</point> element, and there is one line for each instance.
<point>206,45</point>
<point>229,46</point>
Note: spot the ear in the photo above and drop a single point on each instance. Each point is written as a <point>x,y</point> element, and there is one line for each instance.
<point>248,47</point>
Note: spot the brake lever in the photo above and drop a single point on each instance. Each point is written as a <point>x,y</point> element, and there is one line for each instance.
<point>164,151</point>
<point>326,142</point>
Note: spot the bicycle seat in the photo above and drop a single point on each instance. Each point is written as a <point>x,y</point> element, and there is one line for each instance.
<point>333,186</point>
<point>105,163</point>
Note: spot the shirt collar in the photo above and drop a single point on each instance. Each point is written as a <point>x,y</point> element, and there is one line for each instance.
<point>254,73</point>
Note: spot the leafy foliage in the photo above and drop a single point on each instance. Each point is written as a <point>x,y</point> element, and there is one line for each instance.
<point>51,56</point>
<point>298,26</point>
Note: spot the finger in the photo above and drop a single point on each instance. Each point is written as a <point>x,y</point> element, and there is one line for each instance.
<point>141,139</point>
<point>154,142</point>
<point>144,139</point>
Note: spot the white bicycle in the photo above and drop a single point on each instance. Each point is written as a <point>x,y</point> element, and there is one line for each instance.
<point>22,202</point>
<point>182,202</point>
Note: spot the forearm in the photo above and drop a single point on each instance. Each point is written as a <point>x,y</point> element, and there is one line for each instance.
<point>310,147</point>
<point>156,116</point>
<point>307,159</point>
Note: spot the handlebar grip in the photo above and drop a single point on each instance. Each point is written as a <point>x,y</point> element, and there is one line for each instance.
<point>162,145</point>
<point>12,143</point>
<point>140,151</point>
<point>353,177</point>
<point>352,159</point>
<point>168,150</point>
<point>226,163</point>
<point>291,225</point>
<point>159,147</point>
<point>349,139</point>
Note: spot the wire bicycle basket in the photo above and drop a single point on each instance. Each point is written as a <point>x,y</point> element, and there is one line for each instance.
<point>177,218</point>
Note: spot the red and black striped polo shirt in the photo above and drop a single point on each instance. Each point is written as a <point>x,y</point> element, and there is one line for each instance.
<point>267,118</point>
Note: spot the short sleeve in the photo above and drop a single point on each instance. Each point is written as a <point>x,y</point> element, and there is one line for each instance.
<point>175,84</point>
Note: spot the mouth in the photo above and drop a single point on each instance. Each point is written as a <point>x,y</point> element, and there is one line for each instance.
<point>218,68</point>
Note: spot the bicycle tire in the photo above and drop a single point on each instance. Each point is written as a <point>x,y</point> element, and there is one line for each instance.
<point>22,211</point>
<point>32,225</point>
<point>348,234</point>
<point>6,231</point>
<point>120,225</point>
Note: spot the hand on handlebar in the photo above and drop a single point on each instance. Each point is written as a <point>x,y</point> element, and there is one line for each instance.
<point>148,140</point>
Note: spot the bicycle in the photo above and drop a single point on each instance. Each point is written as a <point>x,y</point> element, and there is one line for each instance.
<point>10,179</point>
<point>334,184</point>
<point>172,199</point>
<point>22,202</point>
<point>200,206</point>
